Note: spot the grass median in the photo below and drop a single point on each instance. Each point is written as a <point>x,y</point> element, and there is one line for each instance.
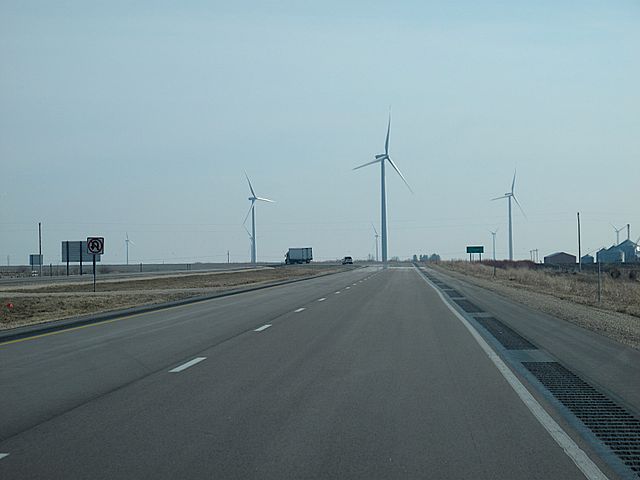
<point>33,304</point>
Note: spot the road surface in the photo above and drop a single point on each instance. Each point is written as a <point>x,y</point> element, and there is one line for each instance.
<point>364,374</point>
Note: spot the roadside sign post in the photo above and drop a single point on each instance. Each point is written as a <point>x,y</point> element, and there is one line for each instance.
<point>95,246</point>
<point>471,249</point>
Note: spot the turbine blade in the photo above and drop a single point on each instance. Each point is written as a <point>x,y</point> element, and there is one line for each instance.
<point>513,183</point>
<point>499,198</point>
<point>265,200</point>
<point>519,206</point>
<point>377,160</point>
<point>374,229</point>
<point>247,230</point>
<point>386,142</point>
<point>249,182</point>
<point>131,242</point>
<point>247,215</point>
<point>399,173</point>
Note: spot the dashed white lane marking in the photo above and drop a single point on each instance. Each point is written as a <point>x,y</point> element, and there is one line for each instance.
<point>322,299</point>
<point>337,292</point>
<point>347,288</point>
<point>298,310</point>
<point>190,363</point>
<point>571,449</point>
<point>2,455</point>
<point>354,284</point>
<point>263,327</point>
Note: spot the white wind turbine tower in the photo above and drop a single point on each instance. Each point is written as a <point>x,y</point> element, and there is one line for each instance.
<point>252,210</point>
<point>127,242</point>
<point>381,159</point>
<point>493,234</point>
<point>509,196</point>
<point>376,236</point>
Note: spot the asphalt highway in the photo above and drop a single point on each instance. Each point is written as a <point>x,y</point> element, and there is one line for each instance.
<point>364,374</point>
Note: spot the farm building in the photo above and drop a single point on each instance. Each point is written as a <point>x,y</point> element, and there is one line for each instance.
<point>625,252</point>
<point>587,259</point>
<point>560,258</point>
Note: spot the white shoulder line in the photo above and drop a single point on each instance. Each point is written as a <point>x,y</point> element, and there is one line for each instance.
<point>573,451</point>
<point>2,455</point>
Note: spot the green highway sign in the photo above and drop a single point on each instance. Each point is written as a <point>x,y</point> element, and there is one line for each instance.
<point>475,249</point>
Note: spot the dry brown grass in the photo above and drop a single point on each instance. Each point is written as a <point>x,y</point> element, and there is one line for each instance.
<point>37,304</point>
<point>618,295</point>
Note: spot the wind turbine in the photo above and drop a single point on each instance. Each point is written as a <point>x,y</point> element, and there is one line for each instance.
<point>376,236</point>
<point>617,230</point>
<point>493,234</point>
<point>381,159</point>
<point>252,210</point>
<point>250,238</point>
<point>127,242</point>
<point>509,196</point>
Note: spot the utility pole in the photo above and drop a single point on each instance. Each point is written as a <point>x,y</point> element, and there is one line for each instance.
<point>599,283</point>
<point>628,232</point>
<point>579,246</point>
<point>228,261</point>
<point>40,246</point>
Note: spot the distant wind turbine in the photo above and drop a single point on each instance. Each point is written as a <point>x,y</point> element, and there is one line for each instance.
<point>381,159</point>
<point>376,236</point>
<point>493,234</point>
<point>617,230</point>
<point>252,210</point>
<point>127,242</point>
<point>250,238</point>
<point>509,196</point>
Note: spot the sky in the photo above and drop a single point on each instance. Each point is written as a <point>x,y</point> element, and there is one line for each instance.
<point>140,118</point>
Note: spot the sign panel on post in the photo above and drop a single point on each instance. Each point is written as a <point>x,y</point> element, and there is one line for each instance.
<point>475,249</point>
<point>35,259</point>
<point>95,245</point>
<point>76,252</point>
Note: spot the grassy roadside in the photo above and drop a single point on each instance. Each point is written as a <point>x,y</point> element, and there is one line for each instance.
<point>563,296</point>
<point>618,294</point>
<point>43,303</point>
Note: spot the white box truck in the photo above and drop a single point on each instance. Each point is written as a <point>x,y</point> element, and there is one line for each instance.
<point>298,255</point>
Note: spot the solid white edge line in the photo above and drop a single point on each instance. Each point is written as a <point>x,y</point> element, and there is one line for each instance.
<point>190,363</point>
<point>263,327</point>
<point>2,455</point>
<point>298,310</point>
<point>571,449</point>
<point>322,299</point>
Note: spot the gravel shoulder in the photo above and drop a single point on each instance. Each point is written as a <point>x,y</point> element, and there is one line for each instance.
<point>20,306</point>
<point>615,325</point>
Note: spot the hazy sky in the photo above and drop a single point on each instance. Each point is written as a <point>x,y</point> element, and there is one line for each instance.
<point>140,117</point>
